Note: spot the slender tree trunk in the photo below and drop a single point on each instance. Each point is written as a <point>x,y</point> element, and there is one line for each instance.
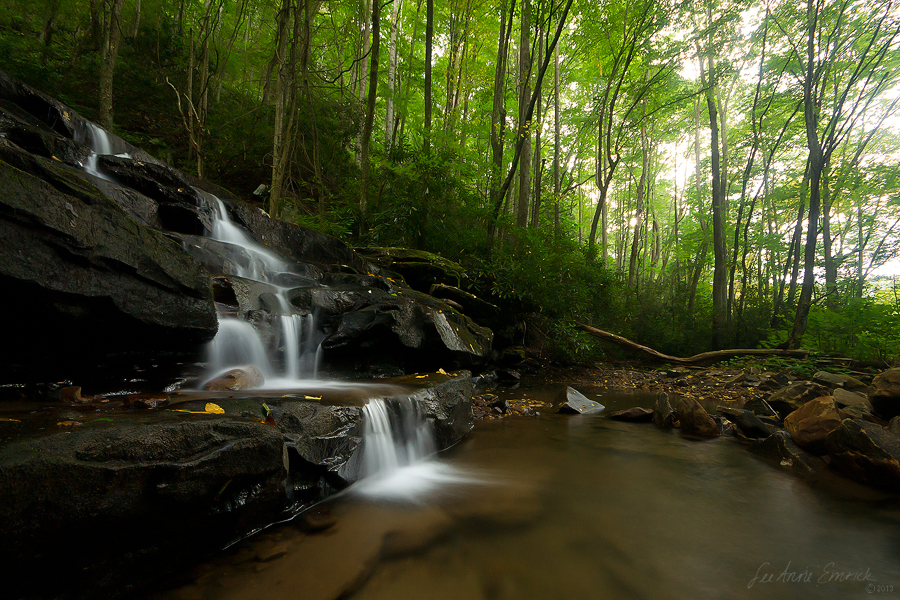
<point>366,138</point>
<point>109,52</point>
<point>498,113</point>
<point>524,130</point>
<point>393,53</point>
<point>285,59</point>
<point>556,148</point>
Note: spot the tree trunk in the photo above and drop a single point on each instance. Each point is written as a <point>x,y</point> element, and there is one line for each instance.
<point>556,137</point>
<point>524,129</point>
<point>366,138</point>
<point>389,124</point>
<point>498,113</point>
<point>108,54</point>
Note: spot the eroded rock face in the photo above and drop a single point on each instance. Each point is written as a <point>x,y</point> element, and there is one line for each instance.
<point>866,452</point>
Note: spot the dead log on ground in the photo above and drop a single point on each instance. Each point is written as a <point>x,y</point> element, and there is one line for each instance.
<point>697,358</point>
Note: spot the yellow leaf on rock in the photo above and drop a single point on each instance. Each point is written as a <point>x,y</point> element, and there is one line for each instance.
<point>443,372</point>
<point>312,397</point>
<point>214,408</point>
<point>69,424</point>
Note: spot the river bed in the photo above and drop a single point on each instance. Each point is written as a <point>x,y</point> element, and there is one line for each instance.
<point>575,507</point>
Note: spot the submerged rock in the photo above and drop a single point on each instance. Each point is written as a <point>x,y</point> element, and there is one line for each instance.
<point>571,401</point>
<point>780,450</point>
<point>633,415</point>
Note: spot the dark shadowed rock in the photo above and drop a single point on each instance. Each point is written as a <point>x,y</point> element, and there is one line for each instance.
<point>297,243</point>
<point>760,407</point>
<point>866,452</point>
<point>571,401</point>
<point>886,397</point>
<point>470,304</point>
<point>633,415</point>
<point>663,415</point>
<point>179,485</point>
<point>93,280</point>
<point>787,400</point>
<point>778,449</point>
<point>694,419</point>
<point>752,426</point>
<point>831,380</point>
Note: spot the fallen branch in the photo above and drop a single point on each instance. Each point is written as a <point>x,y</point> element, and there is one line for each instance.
<point>697,358</point>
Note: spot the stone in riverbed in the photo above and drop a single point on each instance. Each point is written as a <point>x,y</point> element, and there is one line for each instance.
<point>810,424</point>
<point>780,450</point>
<point>245,378</point>
<point>752,426</point>
<point>572,401</point>
<point>866,452</point>
<point>894,425</point>
<point>635,414</point>
<point>663,415</point>
<point>886,397</point>
<point>694,419</point>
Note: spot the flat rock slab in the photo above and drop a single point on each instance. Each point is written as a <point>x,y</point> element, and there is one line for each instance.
<point>571,401</point>
<point>635,414</point>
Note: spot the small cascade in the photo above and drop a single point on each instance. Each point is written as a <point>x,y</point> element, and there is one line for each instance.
<point>100,143</point>
<point>397,446</point>
<point>296,335</point>
<point>396,435</point>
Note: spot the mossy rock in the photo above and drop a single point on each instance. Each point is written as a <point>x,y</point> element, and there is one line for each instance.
<point>421,269</point>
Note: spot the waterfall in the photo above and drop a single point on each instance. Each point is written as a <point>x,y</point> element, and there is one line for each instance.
<point>398,444</point>
<point>297,335</point>
<point>100,144</point>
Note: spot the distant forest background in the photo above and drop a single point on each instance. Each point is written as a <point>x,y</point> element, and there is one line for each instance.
<point>690,175</point>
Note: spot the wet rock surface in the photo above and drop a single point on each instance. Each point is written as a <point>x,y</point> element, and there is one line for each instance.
<point>572,401</point>
<point>182,482</point>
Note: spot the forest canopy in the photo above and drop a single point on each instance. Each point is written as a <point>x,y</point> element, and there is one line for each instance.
<point>690,175</point>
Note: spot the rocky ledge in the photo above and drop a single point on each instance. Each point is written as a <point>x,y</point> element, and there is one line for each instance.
<point>109,497</point>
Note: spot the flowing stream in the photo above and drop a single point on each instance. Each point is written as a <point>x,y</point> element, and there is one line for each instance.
<point>580,507</point>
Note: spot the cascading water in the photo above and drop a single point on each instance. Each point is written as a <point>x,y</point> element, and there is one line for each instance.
<point>100,144</point>
<point>397,444</point>
<point>398,440</point>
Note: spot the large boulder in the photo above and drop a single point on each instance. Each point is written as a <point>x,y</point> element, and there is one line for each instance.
<point>886,397</point>
<point>419,268</point>
<point>107,502</point>
<point>84,280</point>
<point>810,424</point>
<point>866,452</point>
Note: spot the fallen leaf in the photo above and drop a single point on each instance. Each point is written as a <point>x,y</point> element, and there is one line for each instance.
<point>443,372</point>
<point>421,376</point>
<point>215,409</point>
<point>69,424</point>
<point>312,397</point>
<point>11,420</point>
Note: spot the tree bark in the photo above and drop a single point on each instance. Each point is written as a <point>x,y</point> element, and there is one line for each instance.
<point>524,127</point>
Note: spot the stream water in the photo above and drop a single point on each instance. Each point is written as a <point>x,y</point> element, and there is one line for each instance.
<point>579,507</point>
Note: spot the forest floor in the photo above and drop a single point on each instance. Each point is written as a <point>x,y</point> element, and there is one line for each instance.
<point>731,385</point>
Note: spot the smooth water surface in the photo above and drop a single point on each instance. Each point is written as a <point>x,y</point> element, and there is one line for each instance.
<point>572,507</point>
